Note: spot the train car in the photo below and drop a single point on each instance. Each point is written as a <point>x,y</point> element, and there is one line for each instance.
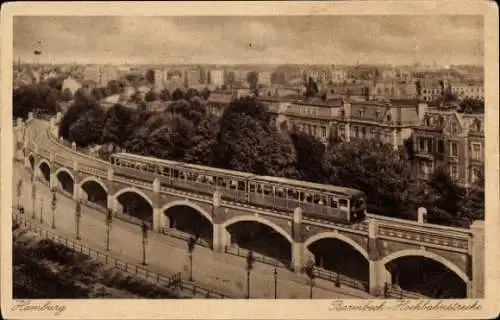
<point>316,200</point>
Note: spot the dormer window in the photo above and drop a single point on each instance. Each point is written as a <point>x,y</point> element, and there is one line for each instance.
<point>389,117</point>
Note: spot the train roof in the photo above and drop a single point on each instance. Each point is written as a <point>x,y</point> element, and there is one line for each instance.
<point>218,170</point>
<point>131,156</point>
<point>310,185</point>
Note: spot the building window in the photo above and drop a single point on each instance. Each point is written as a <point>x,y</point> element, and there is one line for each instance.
<point>475,174</point>
<point>421,144</point>
<point>363,132</point>
<point>454,171</point>
<point>342,131</point>
<point>453,149</point>
<point>440,146</point>
<point>361,113</point>
<point>372,130</point>
<point>323,132</point>
<point>429,145</point>
<point>356,131</point>
<point>453,127</point>
<point>476,151</point>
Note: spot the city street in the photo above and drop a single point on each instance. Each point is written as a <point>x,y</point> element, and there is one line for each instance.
<point>215,271</point>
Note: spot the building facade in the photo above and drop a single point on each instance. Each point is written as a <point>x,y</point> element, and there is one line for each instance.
<point>471,89</point>
<point>217,77</point>
<point>389,122</point>
<point>452,141</point>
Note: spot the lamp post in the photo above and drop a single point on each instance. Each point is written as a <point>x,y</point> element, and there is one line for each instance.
<point>78,216</point>
<point>41,210</point>
<point>33,196</point>
<point>109,221</point>
<point>309,268</point>
<point>19,193</point>
<point>191,245</point>
<point>275,283</point>
<point>53,204</point>
<point>250,262</point>
<point>144,229</point>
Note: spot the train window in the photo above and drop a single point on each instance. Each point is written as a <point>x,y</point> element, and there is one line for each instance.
<point>268,190</point>
<point>280,192</point>
<point>343,203</point>
<point>241,185</point>
<point>252,187</point>
<point>333,203</point>
<point>309,197</point>
<point>233,184</point>
<point>301,196</point>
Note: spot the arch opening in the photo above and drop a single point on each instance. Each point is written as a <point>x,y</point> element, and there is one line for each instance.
<point>190,222</point>
<point>427,277</point>
<point>93,191</point>
<point>341,262</point>
<point>45,170</point>
<point>66,181</point>
<point>135,207</point>
<point>267,243</point>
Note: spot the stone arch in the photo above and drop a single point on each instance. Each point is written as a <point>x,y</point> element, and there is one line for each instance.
<point>335,235</point>
<point>63,169</point>
<point>190,204</point>
<point>259,219</point>
<point>426,254</point>
<point>93,179</point>
<point>42,161</point>
<point>133,190</point>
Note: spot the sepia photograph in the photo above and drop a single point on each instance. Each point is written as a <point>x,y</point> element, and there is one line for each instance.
<point>335,157</point>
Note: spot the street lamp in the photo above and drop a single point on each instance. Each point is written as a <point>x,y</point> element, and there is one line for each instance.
<point>275,283</point>
<point>33,196</point>
<point>309,269</point>
<point>191,245</point>
<point>144,229</point>
<point>41,210</point>
<point>109,221</point>
<point>53,204</point>
<point>250,262</point>
<point>78,216</point>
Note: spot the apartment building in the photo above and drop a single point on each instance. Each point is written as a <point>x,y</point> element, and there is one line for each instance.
<point>390,122</point>
<point>468,89</point>
<point>452,141</point>
<point>217,77</point>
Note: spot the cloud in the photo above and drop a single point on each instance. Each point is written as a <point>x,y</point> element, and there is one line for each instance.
<point>277,39</point>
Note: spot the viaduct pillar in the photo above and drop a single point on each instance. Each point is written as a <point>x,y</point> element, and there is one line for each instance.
<point>157,214</point>
<point>221,237</point>
<point>475,289</point>
<point>379,275</point>
<point>298,244</point>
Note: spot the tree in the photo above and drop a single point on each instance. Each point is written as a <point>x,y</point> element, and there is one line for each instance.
<point>310,153</point>
<point>253,79</point>
<point>150,76</point>
<point>78,217</point>
<point>471,105</point>
<point>144,231</point>
<point>53,204</point>
<point>165,95</point>
<point>193,111</point>
<point>19,192</point>
<point>250,262</point>
<point>473,203</point>
<point>205,93</point>
<point>383,174</point>
<point>66,95</point>
<point>172,141</point>
<point>89,128</point>
<point>310,272</point>
<point>109,222</point>
<point>119,125</point>
<point>444,200</point>
<point>114,87</point>
<point>74,112</point>
<point>178,94</point>
<point>191,245</point>
<point>150,96</point>
<point>204,141</point>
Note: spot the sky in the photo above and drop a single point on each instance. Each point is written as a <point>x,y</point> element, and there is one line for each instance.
<point>252,40</point>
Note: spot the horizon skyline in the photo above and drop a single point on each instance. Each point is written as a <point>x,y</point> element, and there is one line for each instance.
<point>265,40</point>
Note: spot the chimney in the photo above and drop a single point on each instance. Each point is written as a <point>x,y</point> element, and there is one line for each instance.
<point>421,110</point>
